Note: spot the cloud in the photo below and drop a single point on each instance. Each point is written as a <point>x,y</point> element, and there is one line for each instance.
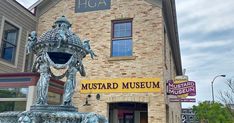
<point>205,15</point>
<point>208,44</point>
<point>206,40</point>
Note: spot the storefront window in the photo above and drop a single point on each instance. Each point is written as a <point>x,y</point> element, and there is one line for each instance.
<point>12,106</point>
<point>13,92</point>
<point>54,98</point>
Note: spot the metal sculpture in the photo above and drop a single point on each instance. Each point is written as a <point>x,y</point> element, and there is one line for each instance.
<point>59,48</point>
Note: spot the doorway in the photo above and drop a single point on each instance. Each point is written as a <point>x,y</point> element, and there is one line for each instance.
<point>126,112</point>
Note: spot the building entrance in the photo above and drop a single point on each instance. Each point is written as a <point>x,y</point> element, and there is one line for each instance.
<point>128,112</point>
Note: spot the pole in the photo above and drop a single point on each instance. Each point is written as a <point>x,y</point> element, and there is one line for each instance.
<point>212,85</point>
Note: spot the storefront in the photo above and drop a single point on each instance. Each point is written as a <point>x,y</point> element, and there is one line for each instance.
<point>128,112</point>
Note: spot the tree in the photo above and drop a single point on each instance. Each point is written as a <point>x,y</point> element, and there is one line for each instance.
<point>227,96</point>
<point>207,112</point>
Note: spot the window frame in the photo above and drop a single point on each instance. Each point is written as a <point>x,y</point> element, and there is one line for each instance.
<point>16,99</point>
<point>6,42</point>
<point>113,22</point>
<point>14,63</point>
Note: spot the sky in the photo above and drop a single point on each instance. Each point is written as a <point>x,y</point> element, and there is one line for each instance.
<point>206,34</point>
<point>206,30</point>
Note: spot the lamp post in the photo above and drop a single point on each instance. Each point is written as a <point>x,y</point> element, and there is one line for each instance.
<point>212,85</point>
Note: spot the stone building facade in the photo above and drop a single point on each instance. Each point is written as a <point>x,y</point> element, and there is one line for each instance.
<point>151,50</point>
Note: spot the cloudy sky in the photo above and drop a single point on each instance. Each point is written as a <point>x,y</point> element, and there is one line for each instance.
<point>206,31</point>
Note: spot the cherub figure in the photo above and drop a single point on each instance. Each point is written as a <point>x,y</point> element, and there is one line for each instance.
<point>62,36</point>
<point>32,39</point>
<point>88,49</point>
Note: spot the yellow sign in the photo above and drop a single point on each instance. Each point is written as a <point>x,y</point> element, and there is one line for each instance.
<point>128,85</point>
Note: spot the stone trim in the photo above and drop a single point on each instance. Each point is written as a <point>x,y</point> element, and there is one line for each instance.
<point>122,58</point>
<point>141,99</point>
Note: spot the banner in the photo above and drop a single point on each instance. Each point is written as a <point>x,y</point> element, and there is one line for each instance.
<point>121,85</point>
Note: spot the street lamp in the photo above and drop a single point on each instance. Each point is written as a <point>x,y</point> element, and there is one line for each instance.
<point>212,85</point>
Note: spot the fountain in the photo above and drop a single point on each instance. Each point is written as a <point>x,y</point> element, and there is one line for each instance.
<point>61,49</point>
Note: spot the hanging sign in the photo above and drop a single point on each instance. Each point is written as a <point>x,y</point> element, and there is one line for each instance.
<point>120,85</point>
<point>182,88</point>
<point>91,5</point>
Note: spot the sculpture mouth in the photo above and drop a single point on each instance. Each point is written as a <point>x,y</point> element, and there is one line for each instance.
<point>59,57</point>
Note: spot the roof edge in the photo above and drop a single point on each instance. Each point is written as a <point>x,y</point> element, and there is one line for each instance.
<point>170,19</point>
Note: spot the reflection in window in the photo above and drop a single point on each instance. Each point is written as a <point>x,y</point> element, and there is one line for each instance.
<point>12,106</point>
<point>9,42</point>
<point>13,92</point>
<point>54,98</point>
<point>122,38</point>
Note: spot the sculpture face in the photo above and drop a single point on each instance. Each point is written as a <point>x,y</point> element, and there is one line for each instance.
<point>59,48</point>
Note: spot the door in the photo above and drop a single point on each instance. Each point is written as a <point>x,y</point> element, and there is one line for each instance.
<point>128,117</point>
<point>143,117</point>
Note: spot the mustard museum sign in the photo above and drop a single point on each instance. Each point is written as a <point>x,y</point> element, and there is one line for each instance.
<point>121,85</point>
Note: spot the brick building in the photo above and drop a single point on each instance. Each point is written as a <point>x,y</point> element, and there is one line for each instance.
<point>136,42</point>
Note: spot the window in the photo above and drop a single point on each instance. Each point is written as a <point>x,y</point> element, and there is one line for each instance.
<point>12,106</point>
<point>9,42</point>
<point>121,38</point>
<point>13,99</point>
<point>13,92</point>
<point>54,98</point>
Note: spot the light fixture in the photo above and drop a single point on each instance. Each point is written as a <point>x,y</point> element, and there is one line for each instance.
<point>87,101</point>
<point>98,96</point>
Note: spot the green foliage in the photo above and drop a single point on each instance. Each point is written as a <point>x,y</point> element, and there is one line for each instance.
<point>208,112</point>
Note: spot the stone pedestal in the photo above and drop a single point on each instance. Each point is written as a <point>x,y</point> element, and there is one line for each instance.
<point>51,114</point>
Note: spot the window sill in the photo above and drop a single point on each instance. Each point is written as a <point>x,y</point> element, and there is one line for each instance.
<point>119,58</point>
<point>8,63</point>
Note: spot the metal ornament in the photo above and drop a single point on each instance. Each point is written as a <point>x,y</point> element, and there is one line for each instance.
<point>58,48</point>
<point>61,49</point>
